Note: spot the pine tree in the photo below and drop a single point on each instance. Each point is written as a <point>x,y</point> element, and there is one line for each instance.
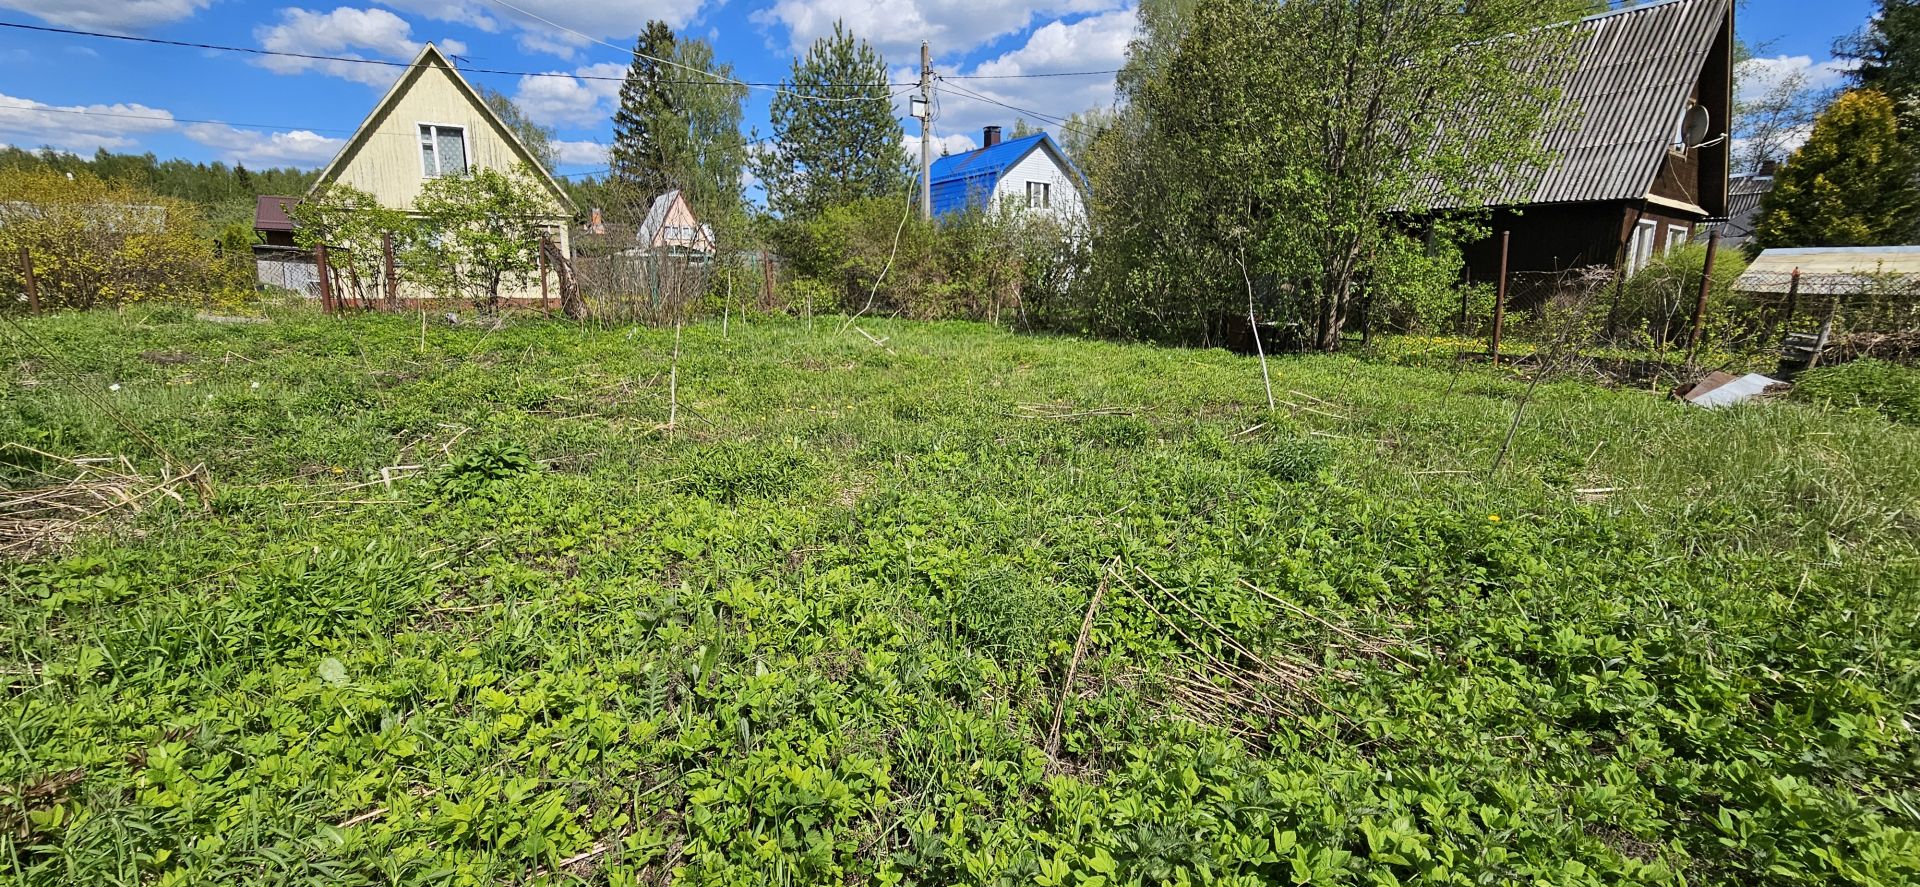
<point>1851,184</point>
<point>836,136</point>
<point>1888,52</point>
<point>639,158</point>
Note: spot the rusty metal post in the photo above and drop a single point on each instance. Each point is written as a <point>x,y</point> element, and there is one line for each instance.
<point>1500,297</point>
<point>326,277</point>
<point>392,280</point>
<point>33,286</point>
<point>1706,287</point>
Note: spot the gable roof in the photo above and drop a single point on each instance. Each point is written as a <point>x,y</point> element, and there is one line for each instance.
<point>958,177</point>
<point>1632,73</point>
<point>431,57</point>
<point>651,229</point>
<point>270,212</point>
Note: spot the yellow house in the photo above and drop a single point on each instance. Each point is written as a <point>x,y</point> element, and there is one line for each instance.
<point>432,123</point>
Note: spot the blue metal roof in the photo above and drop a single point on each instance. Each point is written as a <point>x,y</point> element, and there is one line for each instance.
<point>963,180</point>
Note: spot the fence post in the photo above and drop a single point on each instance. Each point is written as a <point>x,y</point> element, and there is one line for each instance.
<point>1793,304</point>
<point>540,262</point>
<point>1500,298</point>
<point>1706,286</point>
<point>392,280</point>
<point>326,277</point>
<point>1826,332</point>
<point>33,286</point>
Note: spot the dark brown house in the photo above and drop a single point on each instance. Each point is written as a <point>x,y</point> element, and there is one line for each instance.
<point>1642,159</point>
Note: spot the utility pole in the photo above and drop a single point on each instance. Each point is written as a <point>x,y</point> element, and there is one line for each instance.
<point>926,131</point>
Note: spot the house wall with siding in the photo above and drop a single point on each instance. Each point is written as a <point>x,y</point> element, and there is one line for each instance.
<point>1039,166</point>
<point>387,162</point>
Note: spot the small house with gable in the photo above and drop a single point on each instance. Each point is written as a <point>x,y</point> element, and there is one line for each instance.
<point>431,123</point>
<point>1029,173</point>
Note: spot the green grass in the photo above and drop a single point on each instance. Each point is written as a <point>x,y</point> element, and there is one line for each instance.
<point>816,632</point>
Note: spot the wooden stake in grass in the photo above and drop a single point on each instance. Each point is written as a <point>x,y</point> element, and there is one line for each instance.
<point>673,383</point>
<point>1079,653</point>
<point>1254,325</point>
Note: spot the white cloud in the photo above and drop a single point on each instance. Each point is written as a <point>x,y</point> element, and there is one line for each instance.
<point>615,21</point>
<point>953,26</point>
<point>1094,43</point>
<point>81,129</point>
<point>1757,75</point>
<point>447,11</point>
<point>609,76</point>
<point>952,143</point>
<point>118,16</point>
<point>586,153</point>
<point>345,32</point>
<point>263,149</point>
<point>558,101</point>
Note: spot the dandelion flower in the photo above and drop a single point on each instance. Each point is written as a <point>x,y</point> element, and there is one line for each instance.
<point>255,386</point>
<point>338,470</point>
<point>1494,518</point>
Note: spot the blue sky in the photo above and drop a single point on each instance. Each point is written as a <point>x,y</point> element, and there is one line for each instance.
<point>276,111</point>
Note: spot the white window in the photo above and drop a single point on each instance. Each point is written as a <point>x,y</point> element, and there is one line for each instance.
<point>1677,236</point>
<point>443,150</point>
<point>1640,248</point>
<point>1040,194</point>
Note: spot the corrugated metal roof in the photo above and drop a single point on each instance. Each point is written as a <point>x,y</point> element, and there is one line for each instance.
<point>963,179</point>
<point>1632,74</point>
<point>270,213</point>
<point>1830,270</point>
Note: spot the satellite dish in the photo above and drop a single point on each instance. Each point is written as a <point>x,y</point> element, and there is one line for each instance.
<point>1695,125</point>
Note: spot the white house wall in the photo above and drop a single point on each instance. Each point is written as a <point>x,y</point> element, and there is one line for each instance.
<point>1039,166</point>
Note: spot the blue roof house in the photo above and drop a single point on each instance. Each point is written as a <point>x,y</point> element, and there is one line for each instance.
<point>1030,173</point>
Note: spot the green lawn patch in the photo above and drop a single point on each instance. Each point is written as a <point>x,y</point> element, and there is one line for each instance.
<point>815,629</point>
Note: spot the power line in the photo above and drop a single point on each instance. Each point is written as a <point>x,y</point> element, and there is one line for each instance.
<point>385,63</point>
<point>1043,117</point>
<point>775,89</point>
<point>1029,76</point>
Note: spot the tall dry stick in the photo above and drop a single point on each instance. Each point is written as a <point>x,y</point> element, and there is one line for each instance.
<point>673,383</point>
<point>1079,653</point>
<point>1254,325</point>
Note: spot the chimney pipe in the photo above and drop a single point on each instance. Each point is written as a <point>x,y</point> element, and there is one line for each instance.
<point>990,137</point>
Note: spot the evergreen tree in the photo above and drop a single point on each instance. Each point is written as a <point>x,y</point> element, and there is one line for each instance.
<point>1888,52</point>
<point>1851,184</point>
<point>836,136</point>
<point>639,156</point>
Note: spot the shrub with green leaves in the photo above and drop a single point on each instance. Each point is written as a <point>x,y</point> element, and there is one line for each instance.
<point>1889,389</point>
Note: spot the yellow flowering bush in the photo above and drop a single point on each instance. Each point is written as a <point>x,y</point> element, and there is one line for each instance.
<point>100,243</point>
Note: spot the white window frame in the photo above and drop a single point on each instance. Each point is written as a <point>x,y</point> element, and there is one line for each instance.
<point>466,147</point>
<point>1046,195</point>
<point>1677,236</point>
<point>1640,249</point>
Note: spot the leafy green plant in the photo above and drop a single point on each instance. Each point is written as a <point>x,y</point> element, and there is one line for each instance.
<point>1294,460</point>
<point>1889,389</point>
<point>476,472</point>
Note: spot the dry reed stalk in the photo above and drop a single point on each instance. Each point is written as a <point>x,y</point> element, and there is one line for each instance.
<point>79,491</point>
<point>1079,653</point>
